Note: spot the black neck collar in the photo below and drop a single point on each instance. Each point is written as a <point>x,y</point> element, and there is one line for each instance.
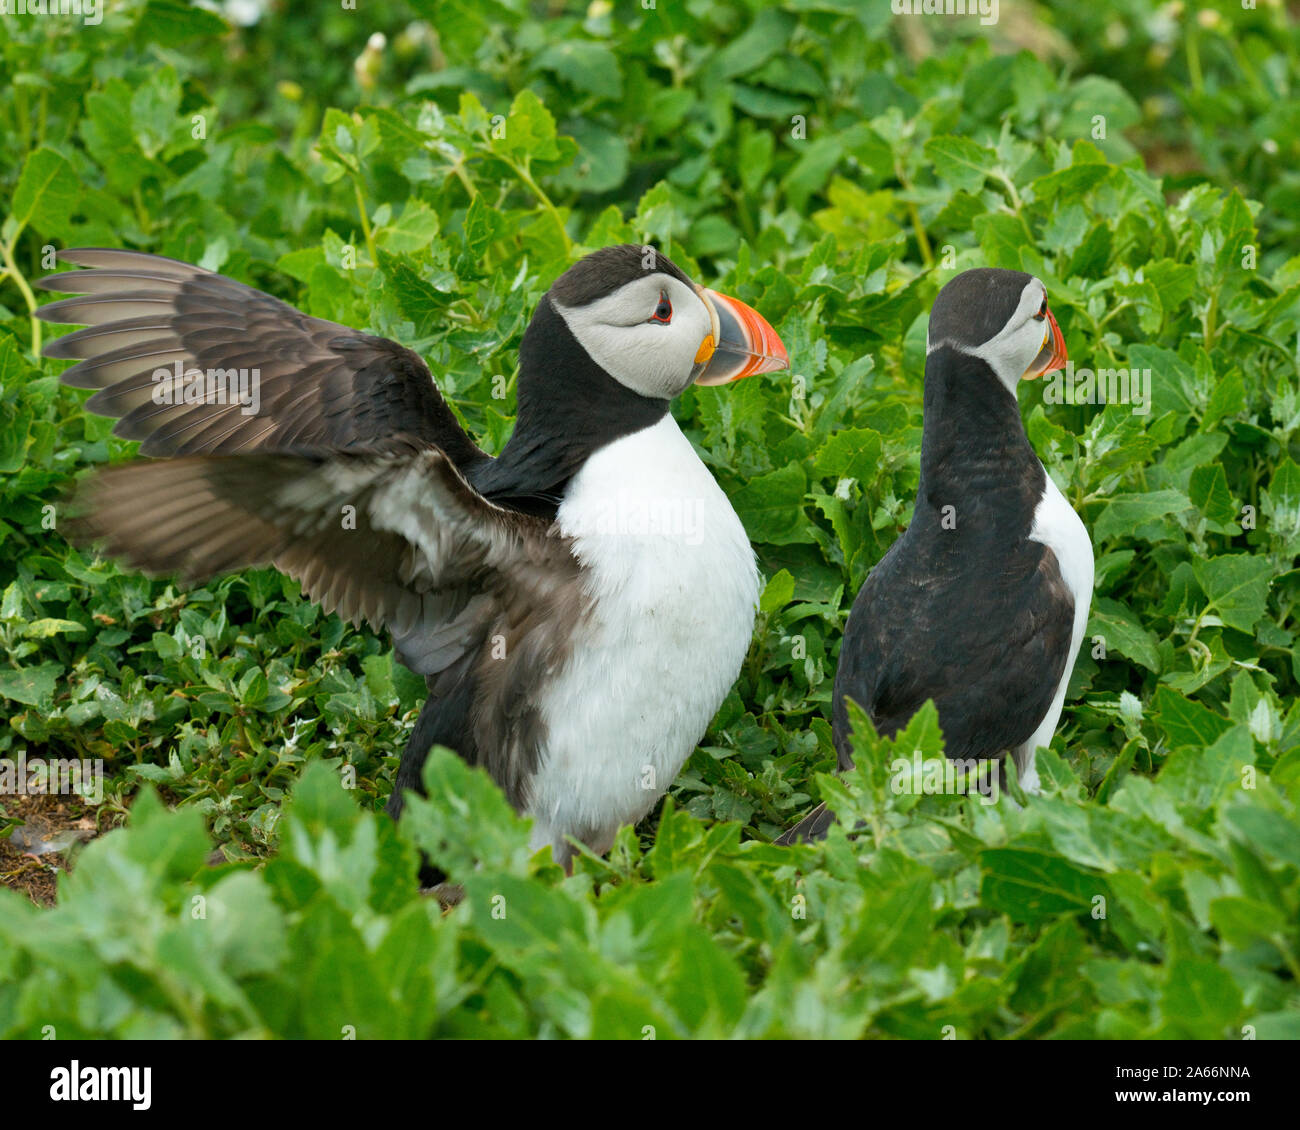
<point>569,408</point>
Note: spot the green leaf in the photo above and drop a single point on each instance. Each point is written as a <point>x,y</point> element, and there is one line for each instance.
<point>1123,632</point>
<point>770,506</point>
<point>1033,886</point>
<point>1267,831</point>
<point>1186,722</point>
<point>243,926</point>
<point>1095,95</point>
<point>33,686</point>
<point>1125,512</point>
<point>1227,399</point>
<point>777,593</point>
<point>852,453</point>
<point>1243,922</point>
<point>328,949</point>
<point>530,131</point>
<point>414,229</point>
<point>1208,490</point>
<point>441,825</point>
<point>587,66</point>
<point>48,626</point>
<point>890,939</point>
<point>319,805</point>
<point>1237,586</point>
<point>482,227</point>
<point>768,34</point>
<point>106,131</point>
<point>1200,1000</point>
<point>960,161</point>
<point>46,192</point>
<point>1202,778</point>
<point>170,23</point>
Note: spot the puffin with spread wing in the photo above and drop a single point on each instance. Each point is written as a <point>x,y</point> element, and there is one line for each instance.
<point>579,605</point>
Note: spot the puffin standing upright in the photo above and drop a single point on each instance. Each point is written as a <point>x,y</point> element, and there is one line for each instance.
<point>982,603</point>
<point>579,606</point>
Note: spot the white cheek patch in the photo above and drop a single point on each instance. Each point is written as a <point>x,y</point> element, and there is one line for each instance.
<point>648,357</point>
<point>1010,354</point>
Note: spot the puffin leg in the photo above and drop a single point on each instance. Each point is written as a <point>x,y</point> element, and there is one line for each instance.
<point>1025,769</point>
<point>545,835</point>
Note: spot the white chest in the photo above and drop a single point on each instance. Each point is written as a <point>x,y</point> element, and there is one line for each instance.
<point>674,587</point>
<point>1058,527</point>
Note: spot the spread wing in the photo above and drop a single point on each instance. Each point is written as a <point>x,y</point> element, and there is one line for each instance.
<point>318,385</point>
<point>398,539</point>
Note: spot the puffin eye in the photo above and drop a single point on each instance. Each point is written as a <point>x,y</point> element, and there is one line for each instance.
<point>1042,311</point>
<point>664,311</point>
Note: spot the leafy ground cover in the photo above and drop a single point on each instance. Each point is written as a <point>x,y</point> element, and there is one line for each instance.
<point>832,165</point>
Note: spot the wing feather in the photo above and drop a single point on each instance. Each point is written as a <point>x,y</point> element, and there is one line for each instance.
<point>396,539</point>
<point>318,384</point>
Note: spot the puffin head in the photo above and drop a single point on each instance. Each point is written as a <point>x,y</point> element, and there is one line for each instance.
<point>1002,318</point>
<point>638,316</point>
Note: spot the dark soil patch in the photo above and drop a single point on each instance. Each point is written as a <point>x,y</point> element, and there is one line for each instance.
<point>34,852</point>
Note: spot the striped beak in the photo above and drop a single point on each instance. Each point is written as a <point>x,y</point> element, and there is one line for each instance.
<point>742,343</point>
<point>1052,356</point>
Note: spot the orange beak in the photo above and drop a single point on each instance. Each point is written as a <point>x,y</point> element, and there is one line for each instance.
<point>743,343</point>
<point>1053,355</point>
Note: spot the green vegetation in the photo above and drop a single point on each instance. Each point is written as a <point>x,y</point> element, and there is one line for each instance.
<point>832,165</point>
